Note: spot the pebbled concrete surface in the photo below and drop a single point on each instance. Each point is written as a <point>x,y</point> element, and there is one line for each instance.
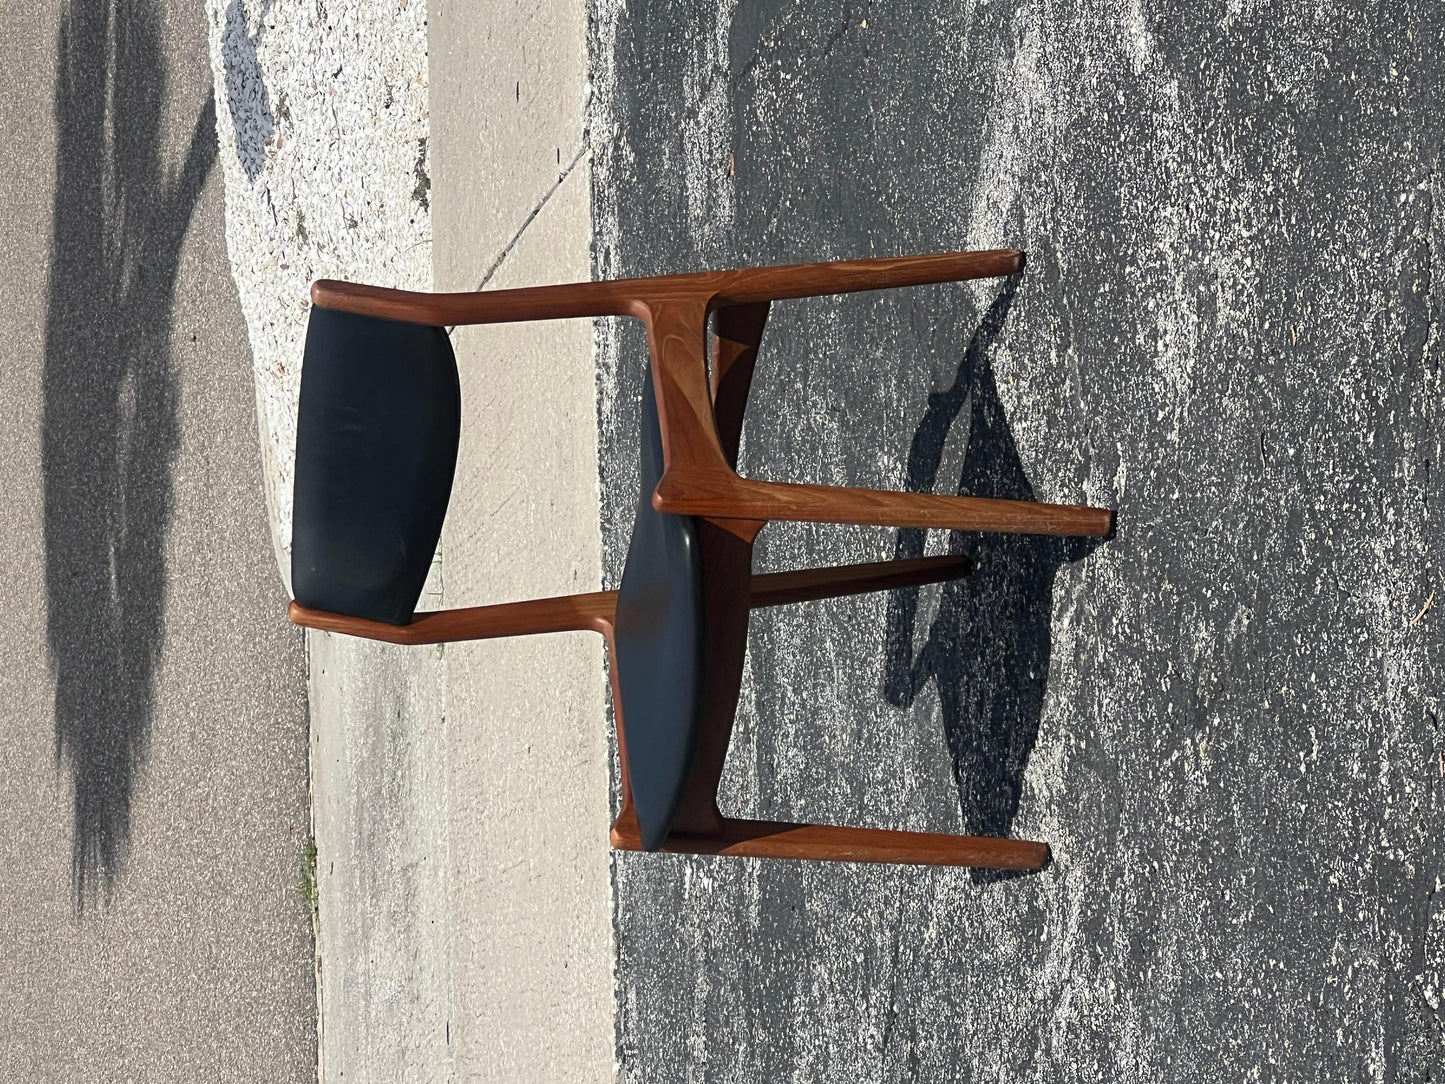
<point>1226,719</point>
<point>323,143</point>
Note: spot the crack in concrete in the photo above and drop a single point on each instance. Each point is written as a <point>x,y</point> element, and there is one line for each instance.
<point>532,217</point>
<point>890,1009</point>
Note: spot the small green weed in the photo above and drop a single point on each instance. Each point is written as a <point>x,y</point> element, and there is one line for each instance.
<point>308,887</point>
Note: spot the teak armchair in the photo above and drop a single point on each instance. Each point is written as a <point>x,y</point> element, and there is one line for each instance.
<point>376,452</point>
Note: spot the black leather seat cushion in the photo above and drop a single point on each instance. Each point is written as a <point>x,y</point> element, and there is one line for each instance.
<point>376,450</point>
<point>659,637</point>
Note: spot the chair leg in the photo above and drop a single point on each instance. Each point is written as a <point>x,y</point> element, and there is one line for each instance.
<point>827,843</point>
<point>846,276</point>
<point>591,612</point>
<point>737,332</point>
<point>727,568</point>
<point>715,494</point>
<point>810,584</point>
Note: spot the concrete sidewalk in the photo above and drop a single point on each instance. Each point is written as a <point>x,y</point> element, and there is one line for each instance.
<point>526,718</point>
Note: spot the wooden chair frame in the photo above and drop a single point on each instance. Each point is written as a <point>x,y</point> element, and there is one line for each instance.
<point>700,411</point>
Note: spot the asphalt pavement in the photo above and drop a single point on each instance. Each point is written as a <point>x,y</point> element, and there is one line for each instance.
<point>1226,719</point>
<point>152,697</point>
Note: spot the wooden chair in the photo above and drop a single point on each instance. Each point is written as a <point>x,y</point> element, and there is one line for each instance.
<point>376,450</point>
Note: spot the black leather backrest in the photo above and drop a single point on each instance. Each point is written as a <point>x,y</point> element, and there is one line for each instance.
<point>376,450</point>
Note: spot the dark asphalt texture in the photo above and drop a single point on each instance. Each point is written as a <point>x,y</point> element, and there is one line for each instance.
<point>1226,719</point>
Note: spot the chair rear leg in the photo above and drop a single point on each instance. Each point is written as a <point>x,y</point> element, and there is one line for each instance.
<point>565,613</point>
<point>748,498</point>
<point>736,334</point>
<point>727,569</point>
<point>828,843</point>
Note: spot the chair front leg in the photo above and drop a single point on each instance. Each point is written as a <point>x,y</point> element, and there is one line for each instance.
<point>724,494</point>
<point>848,276</point>
<point>676,339</point>
<point>831,843</point>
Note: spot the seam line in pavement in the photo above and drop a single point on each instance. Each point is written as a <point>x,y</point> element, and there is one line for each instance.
<point>507,249</point>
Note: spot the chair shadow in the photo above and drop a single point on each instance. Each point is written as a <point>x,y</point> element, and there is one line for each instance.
<point>988,647</point>
<point>111,424</point>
